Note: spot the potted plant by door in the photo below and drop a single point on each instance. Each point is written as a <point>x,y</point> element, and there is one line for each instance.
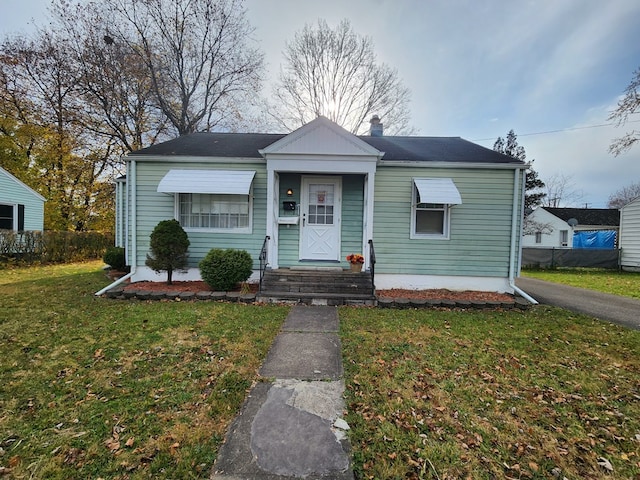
<point>355,261</point>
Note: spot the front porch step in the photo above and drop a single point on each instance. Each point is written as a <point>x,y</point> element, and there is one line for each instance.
<point>317,287</point>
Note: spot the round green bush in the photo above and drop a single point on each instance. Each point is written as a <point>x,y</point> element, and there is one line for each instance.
<point>224,269</point>
<point>114,257</point>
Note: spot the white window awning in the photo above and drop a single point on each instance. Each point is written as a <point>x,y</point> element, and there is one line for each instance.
<point>225,182</point>
<point>438,190</point>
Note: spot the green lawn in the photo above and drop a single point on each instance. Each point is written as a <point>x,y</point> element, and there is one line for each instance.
<point>608,281</point>
<point>99,388</point>
<point>483,395</point>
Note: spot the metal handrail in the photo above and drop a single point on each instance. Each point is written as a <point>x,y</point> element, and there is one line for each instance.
<point>372,265</point>
<point>263,259</point>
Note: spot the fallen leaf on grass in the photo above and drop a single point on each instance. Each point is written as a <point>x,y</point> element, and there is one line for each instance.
<point>604,463</point>
<point>173,448</point>
<point>112,444</point>
<point>129,442</point>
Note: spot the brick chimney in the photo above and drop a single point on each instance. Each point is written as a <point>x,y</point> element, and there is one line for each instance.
<point>377,128</point>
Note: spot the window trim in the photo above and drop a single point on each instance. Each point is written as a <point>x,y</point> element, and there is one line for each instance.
<point>238,230</point>
<point>446,227</point>
<point>14,215</point>
<point>564,238</point>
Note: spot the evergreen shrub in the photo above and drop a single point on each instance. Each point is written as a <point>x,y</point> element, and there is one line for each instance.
<point>115,258</point>
<point>169,245</point>
<point>222,269</point>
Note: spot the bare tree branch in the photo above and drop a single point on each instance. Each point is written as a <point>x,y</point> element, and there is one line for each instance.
<point>628,107</point>
<point>334,73</point>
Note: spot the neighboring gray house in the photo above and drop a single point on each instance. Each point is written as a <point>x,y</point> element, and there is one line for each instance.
<point>21,208</point>
<point>440,212</point>
<point>630,236</point>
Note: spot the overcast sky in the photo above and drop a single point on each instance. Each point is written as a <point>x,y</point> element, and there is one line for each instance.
<point>551,70</point>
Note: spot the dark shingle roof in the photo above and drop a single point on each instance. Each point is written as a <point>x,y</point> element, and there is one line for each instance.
<point>213,145</point>
<point>246,145</point>
<point>588,216</point>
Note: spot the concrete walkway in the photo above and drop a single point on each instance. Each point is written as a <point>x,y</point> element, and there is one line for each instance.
<point>290,425</point>
<point>612,308</point>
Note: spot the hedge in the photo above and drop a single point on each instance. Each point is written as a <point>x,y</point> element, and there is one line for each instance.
<point>52,247</point>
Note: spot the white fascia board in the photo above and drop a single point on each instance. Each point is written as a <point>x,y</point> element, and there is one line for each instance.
<point>196,159</point>
<point>482,166</point>
<point>321,166</point>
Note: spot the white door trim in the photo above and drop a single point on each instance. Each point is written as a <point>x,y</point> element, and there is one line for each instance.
<point>330,234</point>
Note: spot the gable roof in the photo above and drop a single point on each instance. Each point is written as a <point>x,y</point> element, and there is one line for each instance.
<point>22,185</point>
<point>321,136</point>
<point>587,216</point>
<point>249,145</point>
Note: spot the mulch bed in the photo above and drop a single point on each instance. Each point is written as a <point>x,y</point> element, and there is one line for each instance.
<point>433,294</point>
<point>180,287</point>
<point>443,294</point>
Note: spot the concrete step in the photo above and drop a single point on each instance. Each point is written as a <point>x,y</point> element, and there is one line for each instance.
<point>318,287</point>
<point>316,298</point>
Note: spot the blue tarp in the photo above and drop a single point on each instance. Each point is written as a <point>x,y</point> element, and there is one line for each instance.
<point>604,239</point>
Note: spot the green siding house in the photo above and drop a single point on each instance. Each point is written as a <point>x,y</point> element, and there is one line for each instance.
<point>440,212</point>
<point>21,208</point>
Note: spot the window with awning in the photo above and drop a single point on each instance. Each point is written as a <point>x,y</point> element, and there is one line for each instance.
<point>211,199</point>
<point>437,190</point>
<point>223,182</point>
<point>430,216</point>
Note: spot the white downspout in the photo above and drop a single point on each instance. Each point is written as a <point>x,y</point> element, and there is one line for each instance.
<point>514,238</point>
<point>131,177</point>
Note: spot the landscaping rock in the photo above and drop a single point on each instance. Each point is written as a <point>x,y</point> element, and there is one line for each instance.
<point>143,295</point>
<point>402,303</point>
<point>115,292</point>
<point>385,302</point>
<point>233,296</point>
<point>247,298</point>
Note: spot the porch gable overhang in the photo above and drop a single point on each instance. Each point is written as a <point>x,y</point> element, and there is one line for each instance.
<point>321,146</point>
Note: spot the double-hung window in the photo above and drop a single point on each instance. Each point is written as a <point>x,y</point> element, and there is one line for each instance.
<point>211,200</point>
<point>214,211</point>
<point>431,202</point>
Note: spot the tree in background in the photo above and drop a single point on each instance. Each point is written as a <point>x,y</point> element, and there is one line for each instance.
<point>624,195</point>
<point>533,194</point>
<point>169,244</point>
<point>42,115</point>
<point>627,106</point>
<point>561,191</point>
<point>335,73</point>
<point>196,54</point>
<point>76,96</point>
<point>533,185</point>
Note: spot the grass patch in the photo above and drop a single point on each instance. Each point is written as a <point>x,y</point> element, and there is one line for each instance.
<point>95,388</point>
<point>543,393</point>
<point>614,282</point>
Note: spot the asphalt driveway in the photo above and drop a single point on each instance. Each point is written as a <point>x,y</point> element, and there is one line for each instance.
<point>612,308</point>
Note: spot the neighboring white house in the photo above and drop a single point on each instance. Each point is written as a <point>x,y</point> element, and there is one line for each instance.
<point>559,227</point>
<point>21,208</point>
<point>630,235</point>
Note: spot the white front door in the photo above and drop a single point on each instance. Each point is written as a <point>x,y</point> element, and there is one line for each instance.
<point>321,200</point>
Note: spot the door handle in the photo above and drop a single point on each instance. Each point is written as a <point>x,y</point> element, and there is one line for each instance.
<point>304,216</point>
